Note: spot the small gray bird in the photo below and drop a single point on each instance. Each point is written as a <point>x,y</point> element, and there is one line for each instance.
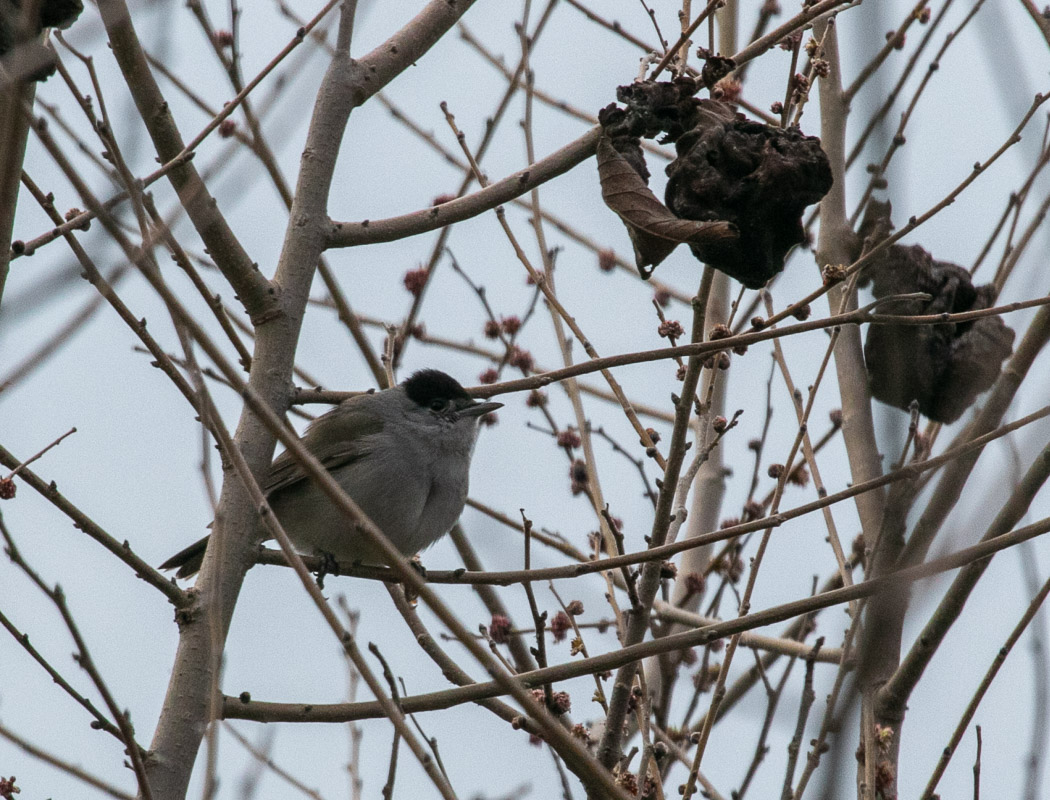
<point>403,455</point>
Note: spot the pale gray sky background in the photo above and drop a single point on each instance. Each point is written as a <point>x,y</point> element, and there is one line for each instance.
<point>134,464</point>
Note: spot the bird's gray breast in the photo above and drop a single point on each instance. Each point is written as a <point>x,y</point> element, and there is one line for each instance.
<point>411,484</point>
<point>444,456</point>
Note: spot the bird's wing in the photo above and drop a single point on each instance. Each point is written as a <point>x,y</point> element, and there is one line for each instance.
<point>336,439</point>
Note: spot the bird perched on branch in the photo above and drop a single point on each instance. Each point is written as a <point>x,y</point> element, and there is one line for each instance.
<point>402,454</point>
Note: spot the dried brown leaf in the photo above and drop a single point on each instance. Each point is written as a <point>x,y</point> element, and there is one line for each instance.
<point>653,229</point>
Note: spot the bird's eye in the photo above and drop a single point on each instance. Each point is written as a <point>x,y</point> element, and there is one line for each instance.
<point>438,404</point>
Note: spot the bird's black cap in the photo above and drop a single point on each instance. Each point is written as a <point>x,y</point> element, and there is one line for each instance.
<point>428,385</point>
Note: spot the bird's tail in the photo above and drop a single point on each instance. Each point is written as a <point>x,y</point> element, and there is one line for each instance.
<point>188,560</point>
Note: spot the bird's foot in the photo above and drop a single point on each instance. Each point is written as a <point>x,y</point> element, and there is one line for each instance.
<point>411,595</point>
<point>329,566</point>
<point>416,563</point>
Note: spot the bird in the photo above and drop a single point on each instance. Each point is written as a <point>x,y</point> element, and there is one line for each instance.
<point>402,454</point>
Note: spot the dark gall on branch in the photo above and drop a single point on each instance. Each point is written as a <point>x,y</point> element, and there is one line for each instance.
<point>945,366</point>
<point>754,177</point>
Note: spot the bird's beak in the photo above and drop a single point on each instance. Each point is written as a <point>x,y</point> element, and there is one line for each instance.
<point>479,409</point>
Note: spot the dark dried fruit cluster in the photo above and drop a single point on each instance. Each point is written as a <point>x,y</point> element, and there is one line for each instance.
<point>758,177</point>
<point>945,366</point>
<point>729,169</point>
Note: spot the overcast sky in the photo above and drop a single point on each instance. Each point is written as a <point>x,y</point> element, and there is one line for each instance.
<point>134,463</point>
